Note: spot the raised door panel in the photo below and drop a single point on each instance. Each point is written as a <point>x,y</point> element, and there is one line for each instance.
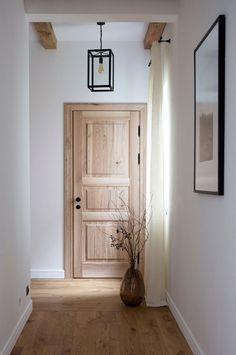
<point>107,148</point>
<point>106,198</point>
<point>97,240</point>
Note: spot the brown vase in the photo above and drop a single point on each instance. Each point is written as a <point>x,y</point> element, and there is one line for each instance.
<point>132,288</point>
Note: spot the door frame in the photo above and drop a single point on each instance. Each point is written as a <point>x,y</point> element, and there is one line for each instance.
<point>68,169</point>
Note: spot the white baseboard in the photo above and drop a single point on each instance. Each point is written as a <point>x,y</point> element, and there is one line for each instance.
<point>192,342</point>
<point>17,330</point>
<point>47,274</point>
<point>155,304</point>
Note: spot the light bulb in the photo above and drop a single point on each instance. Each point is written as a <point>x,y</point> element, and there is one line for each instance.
<point>100,66</point>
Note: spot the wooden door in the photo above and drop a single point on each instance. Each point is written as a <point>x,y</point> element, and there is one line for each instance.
<point>106,148</point>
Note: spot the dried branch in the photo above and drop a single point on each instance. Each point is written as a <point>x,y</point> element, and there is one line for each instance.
<point>132,231</point>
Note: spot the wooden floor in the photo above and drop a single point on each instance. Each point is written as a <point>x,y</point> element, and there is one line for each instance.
<point>86,317</point>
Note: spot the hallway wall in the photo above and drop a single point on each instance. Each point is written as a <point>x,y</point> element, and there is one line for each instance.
<point>202,263</point>
<point>15,306</point>
<point>57,77</point>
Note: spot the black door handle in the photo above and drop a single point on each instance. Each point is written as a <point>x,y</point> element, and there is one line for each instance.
<point>78,199</point>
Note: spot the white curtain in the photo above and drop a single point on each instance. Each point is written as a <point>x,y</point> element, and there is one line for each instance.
<point>156,263</point>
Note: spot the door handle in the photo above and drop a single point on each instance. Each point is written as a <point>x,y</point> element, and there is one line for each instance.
<point>78,199</point>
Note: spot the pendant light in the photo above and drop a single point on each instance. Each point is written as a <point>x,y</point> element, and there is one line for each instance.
<point>100,67</point>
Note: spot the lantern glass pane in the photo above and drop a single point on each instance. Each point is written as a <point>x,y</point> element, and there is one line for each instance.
<point>101,78</point>
<point>90,70</point>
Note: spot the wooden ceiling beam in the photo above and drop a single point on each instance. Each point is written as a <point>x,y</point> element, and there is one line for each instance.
<point>46,34</point>
<point>153,34</point>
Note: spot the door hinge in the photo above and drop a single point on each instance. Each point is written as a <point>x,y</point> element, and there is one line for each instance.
<point>139,131</point>
<point>138,158</point>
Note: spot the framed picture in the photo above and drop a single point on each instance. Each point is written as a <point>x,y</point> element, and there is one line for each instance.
<point>209,102</point>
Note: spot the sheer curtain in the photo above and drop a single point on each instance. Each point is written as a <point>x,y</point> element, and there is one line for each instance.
<point>156,255</point>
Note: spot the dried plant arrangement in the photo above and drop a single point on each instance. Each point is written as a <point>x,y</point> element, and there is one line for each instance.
<point>132,232</point>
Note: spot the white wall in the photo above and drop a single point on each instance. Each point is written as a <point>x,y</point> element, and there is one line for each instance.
<point>202,264</point>
<point>14,177</point>
<point>57,77</point>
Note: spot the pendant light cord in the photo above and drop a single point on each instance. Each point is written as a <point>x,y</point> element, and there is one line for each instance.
<point>100,36</point>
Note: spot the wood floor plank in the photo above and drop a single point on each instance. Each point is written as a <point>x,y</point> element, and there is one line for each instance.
<point>171,334</point>
<point>87,317</point>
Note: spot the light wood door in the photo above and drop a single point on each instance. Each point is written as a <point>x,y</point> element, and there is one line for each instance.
<point>106,166</point>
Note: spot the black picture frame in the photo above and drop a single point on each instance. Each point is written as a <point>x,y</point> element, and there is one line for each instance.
<point>209,110</point>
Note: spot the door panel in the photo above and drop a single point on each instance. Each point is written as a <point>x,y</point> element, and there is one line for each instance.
<point>98,247</point>
<point>105,198</point>
<point>101,138</point>
<point>106,147</point>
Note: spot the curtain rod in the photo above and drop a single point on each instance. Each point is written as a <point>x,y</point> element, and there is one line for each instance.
<point>164,40</point>
<point>160,41</point>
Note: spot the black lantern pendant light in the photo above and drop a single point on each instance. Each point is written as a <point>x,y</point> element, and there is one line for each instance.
<point>100,67</point>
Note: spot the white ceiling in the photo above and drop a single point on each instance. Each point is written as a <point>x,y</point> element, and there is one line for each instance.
<point>113,31</point>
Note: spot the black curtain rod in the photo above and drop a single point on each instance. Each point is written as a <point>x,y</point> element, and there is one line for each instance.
<point>160,41</point>
<point>164,40</point>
